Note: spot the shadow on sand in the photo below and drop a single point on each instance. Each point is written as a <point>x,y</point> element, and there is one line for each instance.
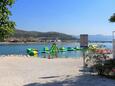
<point>82,80</point>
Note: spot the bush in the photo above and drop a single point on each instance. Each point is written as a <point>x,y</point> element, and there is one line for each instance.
<point>106,68</point>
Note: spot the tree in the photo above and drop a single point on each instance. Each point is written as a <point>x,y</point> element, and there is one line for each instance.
<point>7,27</point>
<point>112,18</point>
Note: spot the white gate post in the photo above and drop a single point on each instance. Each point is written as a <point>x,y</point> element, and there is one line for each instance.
<point>113,44</point>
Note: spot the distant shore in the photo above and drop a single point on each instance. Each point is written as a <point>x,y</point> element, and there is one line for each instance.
<point>51,42</point>
<point>35,42</point>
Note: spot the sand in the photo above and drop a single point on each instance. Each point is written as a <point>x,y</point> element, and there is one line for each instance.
<point>31,71</point>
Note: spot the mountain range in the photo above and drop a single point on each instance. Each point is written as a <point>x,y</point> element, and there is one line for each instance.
<point>99,37</point>
<point>49,35</point>
<point>27,36</point>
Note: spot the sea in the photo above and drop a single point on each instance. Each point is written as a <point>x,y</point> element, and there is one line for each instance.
<point>21,49</point>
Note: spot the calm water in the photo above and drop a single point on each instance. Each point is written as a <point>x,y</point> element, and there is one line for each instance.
<point>17,49</point>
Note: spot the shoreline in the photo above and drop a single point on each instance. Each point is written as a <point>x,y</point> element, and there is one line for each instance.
<point>48,42</point>
<point>35,42</point>
<point>27,56</point>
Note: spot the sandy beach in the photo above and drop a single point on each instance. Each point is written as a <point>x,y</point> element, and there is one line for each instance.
<point>31,71</point>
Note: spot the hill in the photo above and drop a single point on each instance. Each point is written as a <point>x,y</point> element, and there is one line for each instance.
<point>21,35</point>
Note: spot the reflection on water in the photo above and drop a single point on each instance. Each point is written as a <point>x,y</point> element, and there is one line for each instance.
<point>17,49</point>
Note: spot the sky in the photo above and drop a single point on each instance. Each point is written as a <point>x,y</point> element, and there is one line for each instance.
<point>72,17</point>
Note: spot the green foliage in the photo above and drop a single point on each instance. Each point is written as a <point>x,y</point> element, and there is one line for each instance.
<point>106,67</point>
<point>6,26</point>
<point>112,18</point>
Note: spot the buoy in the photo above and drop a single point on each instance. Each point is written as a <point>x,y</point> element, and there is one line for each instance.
<point>32,52</point>
<point>35,53</point>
